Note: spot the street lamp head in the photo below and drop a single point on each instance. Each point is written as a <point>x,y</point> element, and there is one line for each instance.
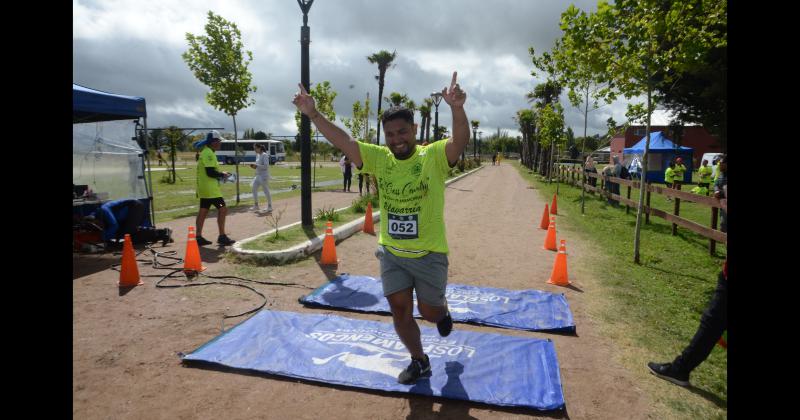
<point>437,98</point>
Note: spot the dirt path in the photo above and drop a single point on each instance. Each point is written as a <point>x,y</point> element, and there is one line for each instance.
<point>125,362</point>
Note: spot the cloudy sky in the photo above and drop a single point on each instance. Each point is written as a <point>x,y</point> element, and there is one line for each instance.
<point>134,48</point>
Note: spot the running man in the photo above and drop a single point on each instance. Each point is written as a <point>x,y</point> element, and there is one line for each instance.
<point>412,242</point>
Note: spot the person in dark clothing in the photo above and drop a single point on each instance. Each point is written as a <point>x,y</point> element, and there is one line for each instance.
<point>721,191</point>
<point>712,324</point>
<point>126,216</point>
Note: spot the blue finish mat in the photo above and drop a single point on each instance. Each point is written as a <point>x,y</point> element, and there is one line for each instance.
<point>488,368</point>
<point>530,310</point>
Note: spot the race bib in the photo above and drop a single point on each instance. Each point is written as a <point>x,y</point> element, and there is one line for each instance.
<point>403,226</point>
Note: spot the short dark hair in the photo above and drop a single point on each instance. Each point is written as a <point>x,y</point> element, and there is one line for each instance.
<point>398,112</point>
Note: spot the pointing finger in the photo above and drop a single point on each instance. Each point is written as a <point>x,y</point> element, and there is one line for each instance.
<point>453,82</point>
<point>302,89</point>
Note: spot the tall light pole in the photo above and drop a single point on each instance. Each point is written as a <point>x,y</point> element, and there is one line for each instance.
<point>305,123</point>
<point>480,136</point>
<point>474,143</point>
<point>437,99</point>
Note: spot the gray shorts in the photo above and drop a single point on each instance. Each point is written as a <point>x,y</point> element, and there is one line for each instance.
<point>427,275</point>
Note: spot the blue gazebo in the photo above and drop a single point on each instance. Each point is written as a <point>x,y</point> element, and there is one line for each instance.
<point>661,152</point>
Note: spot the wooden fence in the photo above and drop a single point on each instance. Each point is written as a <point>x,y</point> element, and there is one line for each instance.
<point>575,175</point>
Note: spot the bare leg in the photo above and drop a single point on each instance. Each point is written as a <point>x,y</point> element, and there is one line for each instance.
<point>221,219</point>
<point>201,218</point>
<point>402,305</point>
<point>432,313</point>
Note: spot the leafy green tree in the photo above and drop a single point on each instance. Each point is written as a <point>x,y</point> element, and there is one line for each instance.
<point>383,59</point>
<point>443,133</point>
<point>396,99</point>
<point>526,119</point>
<point>633,44</point>
<point>219,61</point>
<point>357,124</point>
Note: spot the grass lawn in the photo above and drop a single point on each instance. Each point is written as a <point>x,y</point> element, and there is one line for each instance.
<point>177,200</point>
<point>650,310</point>
<point>296,235</point>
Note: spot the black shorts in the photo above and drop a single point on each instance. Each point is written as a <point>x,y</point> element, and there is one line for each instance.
<point>206,203</point>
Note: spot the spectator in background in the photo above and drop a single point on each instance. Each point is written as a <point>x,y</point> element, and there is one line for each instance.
<point>721,191</point>
<point>678,173</point>
<point>704,175</point>
<point>669,176</point>
<point>208,190</point>
<point>262,177</point>
<point>119,217</point>
<point>347,171</point>
<point>616,172</point>
<point>589,168</point>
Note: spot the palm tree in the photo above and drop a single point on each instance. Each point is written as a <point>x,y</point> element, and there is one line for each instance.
<point>544,94</point>
<point>384,59</point>
<point>526,119</point>
<point>396,99</point>
<point>425,113</point>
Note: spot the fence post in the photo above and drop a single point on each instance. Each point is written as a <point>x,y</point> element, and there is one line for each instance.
<point>628,207</point>
<point>712,245</point>
<point>677,211</point>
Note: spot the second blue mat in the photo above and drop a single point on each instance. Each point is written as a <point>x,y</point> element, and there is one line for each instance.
<point>530,310</point>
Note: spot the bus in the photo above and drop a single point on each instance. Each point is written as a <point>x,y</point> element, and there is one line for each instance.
<point>247,152</point>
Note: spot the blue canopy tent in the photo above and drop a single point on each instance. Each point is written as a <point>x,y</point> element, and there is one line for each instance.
<point>105,154</point>
<point>661,152</point>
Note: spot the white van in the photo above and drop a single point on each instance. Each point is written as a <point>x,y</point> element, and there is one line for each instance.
<point>711,157</point>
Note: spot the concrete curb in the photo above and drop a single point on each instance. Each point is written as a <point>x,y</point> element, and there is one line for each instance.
<point>310,246</point>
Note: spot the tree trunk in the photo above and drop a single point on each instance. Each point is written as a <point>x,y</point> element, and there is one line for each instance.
<point>380,95</point>
<point>422,129</point>
<point>643,182</point>
<point>428,130</point>
<point>235,158</point>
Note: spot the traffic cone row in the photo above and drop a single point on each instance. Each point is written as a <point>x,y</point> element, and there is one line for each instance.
<point>329,247</point>
<point>129,270</point>
<point>192,264</point>
<point>554,206</point>
<point>559,274</point>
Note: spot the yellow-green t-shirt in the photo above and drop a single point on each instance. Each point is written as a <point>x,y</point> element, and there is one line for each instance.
<point>411,197</point>
<point>704,172</point>
<point>679,170</point>
<point>207,187</point>
<point>669,175</point>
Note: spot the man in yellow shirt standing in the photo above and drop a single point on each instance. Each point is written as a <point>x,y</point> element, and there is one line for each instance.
<point>208,177</point>
<point>704,173</point>
<point>412,241</point>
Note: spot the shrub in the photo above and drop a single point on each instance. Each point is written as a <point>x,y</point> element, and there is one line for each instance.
<point>327,213</point>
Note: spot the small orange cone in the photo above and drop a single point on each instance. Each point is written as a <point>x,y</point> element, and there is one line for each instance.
<point>545,218</point>
<point>192,264</point>
<point>129,271</point>
<point>554,206</point>
<point>368,226</point>
<point>329,247</point>
<point>559,274</point>
<point>550,239</point>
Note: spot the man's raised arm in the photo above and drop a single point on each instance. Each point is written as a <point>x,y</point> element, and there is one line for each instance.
<point>455,97</point>
<point>338,137</point>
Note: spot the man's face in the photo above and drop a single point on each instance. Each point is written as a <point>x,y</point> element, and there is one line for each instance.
<point>400,137</point>
<point>215,144</point>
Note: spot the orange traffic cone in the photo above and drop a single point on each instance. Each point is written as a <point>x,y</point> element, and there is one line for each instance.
<point>559,274</point>
<point>129,271</point>
<point>192,264</point>
<point>554,206</point>
<point>550,239</point>
<point>545,218</point>
<point>368,226</point>
<point>329,247</point>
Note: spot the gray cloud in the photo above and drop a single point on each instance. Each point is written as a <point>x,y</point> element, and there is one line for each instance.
<point>487,42</point>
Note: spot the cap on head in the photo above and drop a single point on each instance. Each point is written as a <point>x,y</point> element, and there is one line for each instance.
<point>213,135</point>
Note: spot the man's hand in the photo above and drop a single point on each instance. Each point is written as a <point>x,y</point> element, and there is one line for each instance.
<point>304,102</point>
<point>454,96</point>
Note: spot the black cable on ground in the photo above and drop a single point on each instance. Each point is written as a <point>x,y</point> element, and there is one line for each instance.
<point>158,265</point>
